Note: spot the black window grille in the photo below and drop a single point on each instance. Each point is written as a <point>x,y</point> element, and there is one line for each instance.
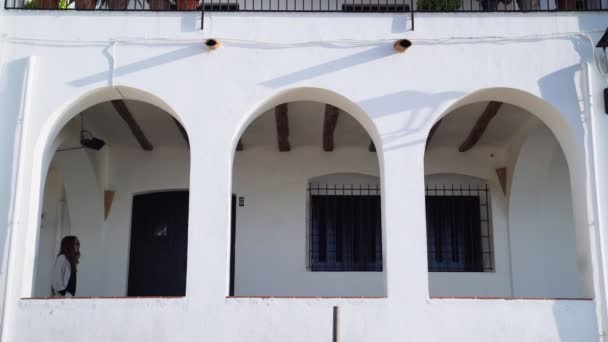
<point>332,6</point>
<point>458,229</point>
<point>345,228</point>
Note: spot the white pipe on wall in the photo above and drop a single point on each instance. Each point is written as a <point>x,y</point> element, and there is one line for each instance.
<point>596,227</point>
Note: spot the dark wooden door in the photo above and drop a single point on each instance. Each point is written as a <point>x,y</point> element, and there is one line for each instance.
<point>159,244</point>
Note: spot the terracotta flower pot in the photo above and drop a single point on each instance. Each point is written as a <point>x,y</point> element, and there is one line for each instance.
<point>566,5</point>
<point>117,4</point>
<point>48,4</point>
<point>159,5</point>
<point>185,5</point>
<point>86,4</point>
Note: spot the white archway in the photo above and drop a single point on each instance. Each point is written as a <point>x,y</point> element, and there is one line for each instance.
<point>97,278</point>
<point>273,202</point>
<point>488,161</point>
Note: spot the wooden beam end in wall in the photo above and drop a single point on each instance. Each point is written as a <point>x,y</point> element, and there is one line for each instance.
<point>372,147</point>
<point>108,198</point>
<point>502,178</point>
<point>121,108</point>
<point>282,122</point>
<point>240,146</point>
<point>329,127</point>
<point>480,125</point>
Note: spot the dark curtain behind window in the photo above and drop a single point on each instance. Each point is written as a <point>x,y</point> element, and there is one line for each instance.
<point>345,233</point>
<point>454,233</point>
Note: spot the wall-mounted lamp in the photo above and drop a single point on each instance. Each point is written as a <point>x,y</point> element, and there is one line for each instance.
<point>212,44</point>
<point>90,141</point>
<point>402,44</point>
<point>87,139</point>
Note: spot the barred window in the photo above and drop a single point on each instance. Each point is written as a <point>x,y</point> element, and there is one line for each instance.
<point>345,228</point>
<point>458,229</point>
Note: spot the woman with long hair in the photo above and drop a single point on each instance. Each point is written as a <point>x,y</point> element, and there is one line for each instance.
<point>64,272</point>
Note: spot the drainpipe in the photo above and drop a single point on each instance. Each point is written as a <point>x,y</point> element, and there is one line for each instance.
<point>595,225</point>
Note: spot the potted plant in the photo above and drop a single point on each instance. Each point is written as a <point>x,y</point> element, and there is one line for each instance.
<point>46,4</point>
<point>187,5</point>
<point>30,4</point>
<point>159,5</point>
<point>86,4</point>
<point>117,5</point>
<point>438,5</point>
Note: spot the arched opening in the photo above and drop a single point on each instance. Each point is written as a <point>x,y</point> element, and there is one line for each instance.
<point>307,217</point>
<point>118,180</point>
<point>501,219</point>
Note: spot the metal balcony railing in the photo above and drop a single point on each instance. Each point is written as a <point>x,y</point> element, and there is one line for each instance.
<point>345,6</point>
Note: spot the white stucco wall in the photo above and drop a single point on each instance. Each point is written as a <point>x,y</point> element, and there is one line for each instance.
<point>13,81</point>
<point>272,227</point>
<point>542,228</point>
<point>54,226</point>
<point>271,58</point>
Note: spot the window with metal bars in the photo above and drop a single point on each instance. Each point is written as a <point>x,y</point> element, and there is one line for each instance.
<point>345,228</point>
<point>458,229</point>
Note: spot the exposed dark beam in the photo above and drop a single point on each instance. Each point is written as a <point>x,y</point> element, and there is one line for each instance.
<point>182,131</point>
<point>240,146</point>
<point>372,147</point>
<point>121,108</point>
<point>329,127</point>
<point>280,113</point>
<point>480,126</point>
<point>432,132</point>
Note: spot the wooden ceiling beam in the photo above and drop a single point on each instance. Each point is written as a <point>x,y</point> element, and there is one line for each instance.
<point>182,131</point>
<point>480,125</point>
<point>121,108</point>
<point>282,121</point>
<point>329,127</point>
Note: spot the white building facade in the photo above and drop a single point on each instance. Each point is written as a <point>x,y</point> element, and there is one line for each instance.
<point>292,111</point>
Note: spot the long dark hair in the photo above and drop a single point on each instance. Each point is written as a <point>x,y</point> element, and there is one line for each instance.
<point>67,249</point>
